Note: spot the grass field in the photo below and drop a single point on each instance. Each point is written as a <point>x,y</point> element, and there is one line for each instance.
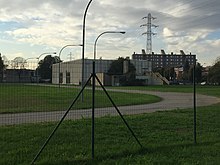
<point>207,90</point>
<point>167,138</point>
<point>24,98</point>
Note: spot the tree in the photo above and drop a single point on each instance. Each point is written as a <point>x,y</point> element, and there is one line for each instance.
<point>186,70</point>
<point>214,72</point>
<point>167,72</point>
<point>170,73</point>
<point>2,67</point>
<point>116,67</point>
<point>198,73</point>
<point>6,61</point>
<point>124,67</point>
<point>18,63</point>
<point>45,66</point>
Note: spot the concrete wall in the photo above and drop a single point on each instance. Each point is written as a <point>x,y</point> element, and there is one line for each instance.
<point>73,67</point>
<point>101,66</point>
<point>19,76</point>
<point>105,79</point>
<point>142,66</point>
<point>75,70</point>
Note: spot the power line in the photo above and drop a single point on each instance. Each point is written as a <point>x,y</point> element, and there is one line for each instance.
<point>196,7</point>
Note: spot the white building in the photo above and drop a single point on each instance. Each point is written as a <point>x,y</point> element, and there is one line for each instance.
<point>71,72</point>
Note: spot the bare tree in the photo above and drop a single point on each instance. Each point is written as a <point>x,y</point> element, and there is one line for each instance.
<point>18,63</point>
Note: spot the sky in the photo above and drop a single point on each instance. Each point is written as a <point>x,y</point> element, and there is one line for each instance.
<point>33,27</point>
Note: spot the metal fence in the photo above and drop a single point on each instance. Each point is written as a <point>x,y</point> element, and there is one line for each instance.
<point>32,113</point>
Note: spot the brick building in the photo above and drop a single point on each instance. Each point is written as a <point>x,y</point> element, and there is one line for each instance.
<point>166,60</point>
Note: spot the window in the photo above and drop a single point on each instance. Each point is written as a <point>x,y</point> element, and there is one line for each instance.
<point>61,78</point>
<point>68,77</point>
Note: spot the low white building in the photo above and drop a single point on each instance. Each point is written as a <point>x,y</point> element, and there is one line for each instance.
<point>71,72</point>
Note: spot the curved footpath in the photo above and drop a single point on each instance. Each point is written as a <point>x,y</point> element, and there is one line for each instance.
<point>170,101</point>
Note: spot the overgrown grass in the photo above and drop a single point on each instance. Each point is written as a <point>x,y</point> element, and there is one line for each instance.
<point>23,98</point>
<point>167,138</point>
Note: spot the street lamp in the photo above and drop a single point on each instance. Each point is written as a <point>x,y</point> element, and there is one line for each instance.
<point>60,61</point>
<point>45,54</point>
<point>83,44</point>
<point>93,90</point>
<point>122,32</point>
<point>25,61</point>
<point>39,58</point>
<point>30,58</point>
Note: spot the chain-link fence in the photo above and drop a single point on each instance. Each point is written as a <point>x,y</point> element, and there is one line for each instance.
<point>57,121</point>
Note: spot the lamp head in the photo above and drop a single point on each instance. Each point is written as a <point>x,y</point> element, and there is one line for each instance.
<point>122,32</point>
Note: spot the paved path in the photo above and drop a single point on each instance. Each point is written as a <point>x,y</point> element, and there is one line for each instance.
<point>170,101</point>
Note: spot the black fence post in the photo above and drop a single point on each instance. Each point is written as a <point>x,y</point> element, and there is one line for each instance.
<point>194,99</point>
<point>93,111</point>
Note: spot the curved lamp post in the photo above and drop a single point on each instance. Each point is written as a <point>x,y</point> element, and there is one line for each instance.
<point>83,44</point>
<point>60,61</point>
<point>122,32</point>
<point>45,54</point>
<point>29,59</point>
<point>39,58</point>
<point>93,90</point>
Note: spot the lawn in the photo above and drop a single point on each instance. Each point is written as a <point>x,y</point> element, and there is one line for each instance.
<point>24,98</point>
<point>207,90</point>
<point>167,138</point>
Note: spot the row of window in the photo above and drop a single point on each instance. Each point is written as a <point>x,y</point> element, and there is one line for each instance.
<point>191,57</point>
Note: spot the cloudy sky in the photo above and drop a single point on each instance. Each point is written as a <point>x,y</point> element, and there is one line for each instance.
<point>32,27</point>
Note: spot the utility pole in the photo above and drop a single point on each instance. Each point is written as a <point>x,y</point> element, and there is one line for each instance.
<point>149,32</point>
<point>71,56</point>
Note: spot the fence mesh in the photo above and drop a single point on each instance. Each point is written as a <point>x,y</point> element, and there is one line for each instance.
<point>31,109</point>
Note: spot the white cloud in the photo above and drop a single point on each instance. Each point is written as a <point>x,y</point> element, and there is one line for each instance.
<point>177,10</point>
<point>168,33</point>
<point>54,23</point>
<point>215,43</point>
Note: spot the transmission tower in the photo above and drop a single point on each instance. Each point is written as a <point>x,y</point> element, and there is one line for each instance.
<point>149,32</point>
<point>71,56</point>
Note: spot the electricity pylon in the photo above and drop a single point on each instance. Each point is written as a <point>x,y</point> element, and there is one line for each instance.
<point>149,32</point>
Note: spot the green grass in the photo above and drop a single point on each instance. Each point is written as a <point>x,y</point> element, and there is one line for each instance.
<point>24,98</point>
<point>207,90</point>
<point>167,138</point>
